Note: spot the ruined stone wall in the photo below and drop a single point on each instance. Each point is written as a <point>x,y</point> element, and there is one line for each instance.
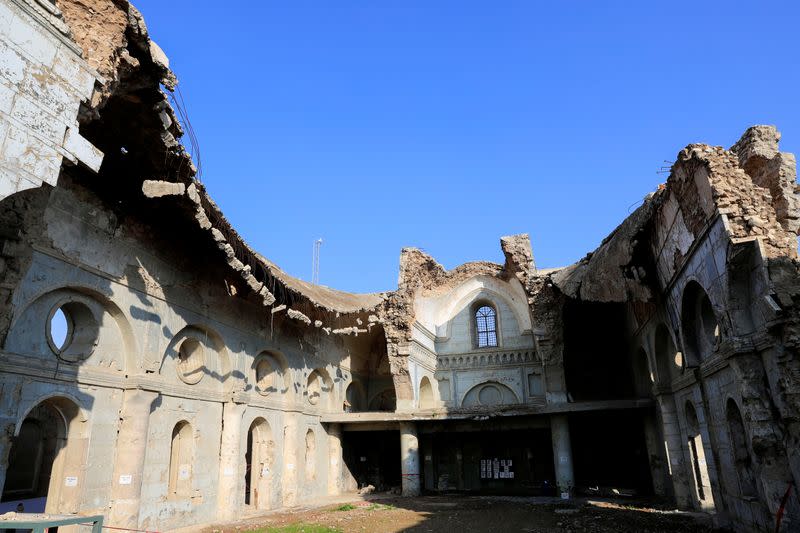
<point>144,301</point>
<point>43,82</point>
<point>723,227</point>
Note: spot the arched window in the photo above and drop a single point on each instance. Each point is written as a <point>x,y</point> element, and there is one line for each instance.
<point>486,326</point>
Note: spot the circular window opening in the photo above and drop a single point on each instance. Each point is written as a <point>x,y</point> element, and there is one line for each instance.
<point>59,329</point>
<point>72,331</point>
<point>191,361</point>
<point>265,377</point>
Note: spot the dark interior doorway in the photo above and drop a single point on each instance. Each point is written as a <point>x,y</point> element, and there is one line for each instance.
<point>489,462</point>
<point>373,458</point>
<point>609,452</point>
<point>33,452</point>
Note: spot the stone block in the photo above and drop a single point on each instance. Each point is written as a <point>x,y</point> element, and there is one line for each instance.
<point>82,149</point>
<point>12,64</point>
<point>37,120</point>
<point>38,44</point>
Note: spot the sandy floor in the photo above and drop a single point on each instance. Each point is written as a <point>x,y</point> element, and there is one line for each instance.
<point>472,514</point>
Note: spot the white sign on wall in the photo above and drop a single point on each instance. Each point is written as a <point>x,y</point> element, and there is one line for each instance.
<point>228,471</point>
<point>184,471</point>
<point>125,479</point>
<point>71,481</point>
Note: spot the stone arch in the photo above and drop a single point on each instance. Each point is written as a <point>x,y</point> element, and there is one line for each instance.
<point>259,463</point>
<point>426,399</point>
<point>211,363</point>
<point>355,396</point>
<point>742,458</point>
<point>489,394</point>
<point>699,324</point>
<point>47,455</point>
<point>669,361</point>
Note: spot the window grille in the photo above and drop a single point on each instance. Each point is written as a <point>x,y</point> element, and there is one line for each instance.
<point>486,326</point>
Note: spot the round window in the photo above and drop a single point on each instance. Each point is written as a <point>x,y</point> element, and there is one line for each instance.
<point>72,331</point>
<point>191,361</point>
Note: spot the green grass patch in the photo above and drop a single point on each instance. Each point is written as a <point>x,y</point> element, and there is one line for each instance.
<point>296,528</point>
<point>345,507</point>
<point>380,507</point>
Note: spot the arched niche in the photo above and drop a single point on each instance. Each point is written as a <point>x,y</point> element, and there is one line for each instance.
<point>740,451</point>
<point>197,356</point>
<point>96,332</point>
<point>259,465</point>
<point>355,398</point>
<point>269,374</point>
<point>489,394</point>
<point>310,456</point>
<point>699,324</point>
<point>181,461</point>
<point>319,389</point>
<point>426,398</point>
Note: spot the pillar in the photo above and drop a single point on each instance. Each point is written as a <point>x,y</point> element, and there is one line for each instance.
<point>230,492</point>
<point>126,488</point>
<point>673,442</point>
<point>409,459</point>
<point>562,455</point>
<point>7,427</point>
<point>289,470</point>
<point>334,459</point>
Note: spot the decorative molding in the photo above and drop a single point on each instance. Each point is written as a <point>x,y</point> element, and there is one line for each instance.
<point>488,359</point>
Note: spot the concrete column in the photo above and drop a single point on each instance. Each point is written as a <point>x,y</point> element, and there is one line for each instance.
<point>562,454</point>
<point>126,488</point>
<point>409,459</point>
<point>334,459</point>
<point>230,490</point>
<point>673,442</point>
<point>7,426</point>
<point>289,470</point>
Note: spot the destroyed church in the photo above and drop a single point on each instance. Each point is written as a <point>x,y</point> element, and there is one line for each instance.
<point>198,382</point>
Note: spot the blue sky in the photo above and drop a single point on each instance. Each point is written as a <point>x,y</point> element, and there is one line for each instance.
<point>447,124</point>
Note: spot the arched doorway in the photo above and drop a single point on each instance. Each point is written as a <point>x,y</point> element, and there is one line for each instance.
<point>42,470</point>
<point>259,460</point>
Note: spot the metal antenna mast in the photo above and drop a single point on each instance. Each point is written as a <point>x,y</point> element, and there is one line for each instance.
<point>315,262</point>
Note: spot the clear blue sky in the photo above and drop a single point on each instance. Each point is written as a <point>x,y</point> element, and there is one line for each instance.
<point>447,124</point>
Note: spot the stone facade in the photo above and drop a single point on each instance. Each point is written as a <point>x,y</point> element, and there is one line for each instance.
<point>197,382</point>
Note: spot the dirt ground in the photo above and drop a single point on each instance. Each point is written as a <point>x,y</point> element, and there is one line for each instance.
<point>474,514</point>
